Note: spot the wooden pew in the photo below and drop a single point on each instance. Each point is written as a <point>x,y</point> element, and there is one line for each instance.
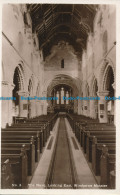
<point>107,164</point>
<point>97,152</point>
<point>30,150</point>
<point>29,131</point>
<point>22,139</point>
<point>88,134</point>
<point>14,133</point>
<point>41,129</point>
<point>6,175</point>
<point>83,132</point>
<point>18,166</point>
<point>100,139</point>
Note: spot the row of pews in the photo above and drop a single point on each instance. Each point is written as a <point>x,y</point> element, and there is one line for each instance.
<point>98,141</point>
<point>21,147</point>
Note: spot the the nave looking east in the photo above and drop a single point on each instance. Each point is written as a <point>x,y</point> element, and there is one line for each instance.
<point>68,152</point>
<point>54,58</point>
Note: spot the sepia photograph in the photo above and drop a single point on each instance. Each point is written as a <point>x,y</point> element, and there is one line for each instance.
<point>58,96</point>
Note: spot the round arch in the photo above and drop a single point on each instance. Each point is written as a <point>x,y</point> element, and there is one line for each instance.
<point>106,64</point>
<point>19,86</point>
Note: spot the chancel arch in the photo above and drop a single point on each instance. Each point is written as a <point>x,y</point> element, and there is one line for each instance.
<point>67,86</point>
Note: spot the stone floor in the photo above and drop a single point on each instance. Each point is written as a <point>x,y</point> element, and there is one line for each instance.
<point>61,138</point>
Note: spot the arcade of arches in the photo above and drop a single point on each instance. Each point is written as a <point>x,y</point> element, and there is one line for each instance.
<point>55,50</point>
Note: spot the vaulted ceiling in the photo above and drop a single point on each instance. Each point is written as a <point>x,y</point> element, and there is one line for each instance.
<point>68,22</point>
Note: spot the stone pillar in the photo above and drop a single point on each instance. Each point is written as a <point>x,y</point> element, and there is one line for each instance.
<point>75,106</point>
<point>37,107</point>
<point>6,105</point>
<point>38,104</point>
<point>79,107</point>
<point>45,109</point>
<point>102,107</point>
<point>23,104</point>
<point>33,108</point>
<point>92,109</point>
<point>41,108</point>
<point>45,103</point>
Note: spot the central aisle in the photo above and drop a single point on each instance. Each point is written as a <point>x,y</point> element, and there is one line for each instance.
<point>63,164</point>
<point>62,169</point>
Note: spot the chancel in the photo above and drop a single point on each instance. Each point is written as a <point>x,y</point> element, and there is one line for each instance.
<point>61,59</point>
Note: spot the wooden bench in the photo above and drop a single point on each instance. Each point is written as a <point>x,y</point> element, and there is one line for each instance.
<point>107,164</point>
<point>83,132</point>
<point>100,139</point>
<point>17,135</point>
<point>18,168</point>
<point>6,174</point>
<point>42,129</point>
<point>28,131</point>
<point>97,152</point>
<point>30,150</point>
<point>87,135</point>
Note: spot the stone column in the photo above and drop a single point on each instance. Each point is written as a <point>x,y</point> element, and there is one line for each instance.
<point>41,109</point>
<point>6,105</point>
<point>79,107</point>
<point>45,103</point>
<point>102,107</point>
<point>92,109</point>
<point>33,107</point>
<point>23,104</point>
<point>75,106</point>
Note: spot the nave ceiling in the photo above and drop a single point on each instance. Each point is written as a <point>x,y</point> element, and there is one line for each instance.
<point>66,22</point>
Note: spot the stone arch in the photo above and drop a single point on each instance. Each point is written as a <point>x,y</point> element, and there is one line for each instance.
<point>21,79</point>
<point>64,80</point>
<point>108,78</point>
<point>107,82</point>
<point>70,82</point>
<point>19,86</point>
<point>106,63</point>
<point>70,76</point>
